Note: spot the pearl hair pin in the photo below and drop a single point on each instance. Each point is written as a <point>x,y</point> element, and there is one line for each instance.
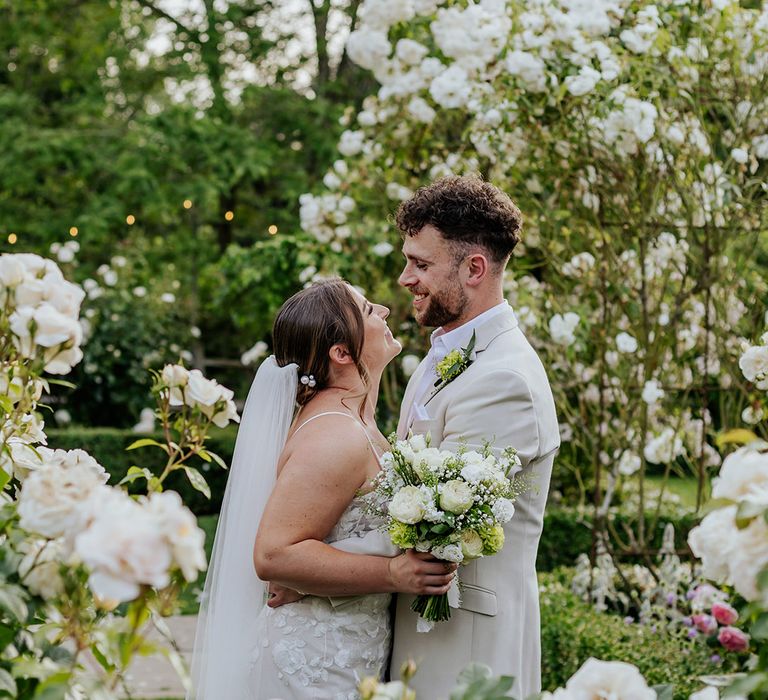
<point>308,380</point>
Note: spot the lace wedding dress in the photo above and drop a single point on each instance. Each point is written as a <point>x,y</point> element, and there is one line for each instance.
<point>320,648</point>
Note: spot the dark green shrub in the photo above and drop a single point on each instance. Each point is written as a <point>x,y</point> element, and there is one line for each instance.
<point>107,446</point>
<point>572,631</point>
<point>568,532</point>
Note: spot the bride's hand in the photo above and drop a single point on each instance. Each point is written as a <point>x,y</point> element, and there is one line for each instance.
<point>280,595</point>
<point>420,573</point>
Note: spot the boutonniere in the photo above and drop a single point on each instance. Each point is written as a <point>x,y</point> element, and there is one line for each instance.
<point>452,365</point>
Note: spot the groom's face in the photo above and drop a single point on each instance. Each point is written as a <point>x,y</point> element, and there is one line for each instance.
<point>433,275</point>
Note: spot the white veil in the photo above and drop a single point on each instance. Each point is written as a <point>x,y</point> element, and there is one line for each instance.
<point>233,595</point>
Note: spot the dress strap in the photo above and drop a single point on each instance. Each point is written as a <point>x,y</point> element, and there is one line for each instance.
<point>348,415</point>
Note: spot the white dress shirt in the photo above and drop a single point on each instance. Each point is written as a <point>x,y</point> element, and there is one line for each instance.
<point>442,342</point>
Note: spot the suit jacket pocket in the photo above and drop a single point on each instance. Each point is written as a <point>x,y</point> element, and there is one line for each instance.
<point>478,599</point>
<point>422,427</point>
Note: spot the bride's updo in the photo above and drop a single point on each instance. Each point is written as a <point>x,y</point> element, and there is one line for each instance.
<point>310,323</point>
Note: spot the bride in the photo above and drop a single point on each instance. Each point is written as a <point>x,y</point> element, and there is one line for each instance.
<point>297,486</point>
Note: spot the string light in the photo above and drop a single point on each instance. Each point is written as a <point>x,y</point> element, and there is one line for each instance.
<point>187,203</point>
<point>229,215</point>
<point>272,230</point>
<point>73,231</point>
<point>12,238</point>
<point>130,219</point>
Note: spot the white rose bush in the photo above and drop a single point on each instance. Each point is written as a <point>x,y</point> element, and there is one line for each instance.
<point>87,567</point>
<point>451,504</point>
<point>634,138</point>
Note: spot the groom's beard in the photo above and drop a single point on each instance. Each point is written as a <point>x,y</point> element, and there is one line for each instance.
<point>443,307</point>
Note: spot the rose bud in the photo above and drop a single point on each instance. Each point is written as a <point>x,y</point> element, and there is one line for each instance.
<point>725,614</point>
<point>733,639</point>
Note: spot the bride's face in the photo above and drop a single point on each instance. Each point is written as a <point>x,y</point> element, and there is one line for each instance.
<point>379,346</point>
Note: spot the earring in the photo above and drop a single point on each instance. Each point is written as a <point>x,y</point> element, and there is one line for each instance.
<point>308,380</point>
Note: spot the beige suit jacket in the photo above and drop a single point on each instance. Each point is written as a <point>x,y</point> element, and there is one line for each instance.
<point>503,396</point>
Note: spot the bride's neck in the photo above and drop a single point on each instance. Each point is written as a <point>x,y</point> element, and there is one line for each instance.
<point>353,394</point>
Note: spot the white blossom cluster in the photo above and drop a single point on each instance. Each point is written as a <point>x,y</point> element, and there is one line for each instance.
<point>732,540</point>
<point>125,543</point>
<point>43,311</point>
<point>754,365</point>
<point>190,388</point>
<point>421,486</point>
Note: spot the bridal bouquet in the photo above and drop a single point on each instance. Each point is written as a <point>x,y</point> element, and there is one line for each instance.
<point>451,504</point>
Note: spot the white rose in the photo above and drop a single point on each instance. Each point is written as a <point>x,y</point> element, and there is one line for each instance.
<point>52,497</point>
<point>61,361</point>
<point>175,375</point>
<point>12,271</point>
<point>652,392</point>
<point>124,547</point>
<point>629,463</point>
<point>227,414</point>
<point>39,568</point>
<point>584,82</point>
<point>383,249</point>
<point>744,473</point>
<point>626,343</point>
<point>201,391</point>
<point>603,679</point>
<point>503,510</point>
<point>449,552</point>
<point>23,459</point>
<point>252,355</point>
<point>410,51</point>
<point>754,366</point>
<point>562,326</point>
<point>456,496</point>
<point>408,505</point>
<point>180,528</point>
<point>740,155</point>
<point>418,442</point>
<point>713,541</point>
<point>749,557</point>
<point>471,544</point>
<point>428,459</point>
<point>410,364</point>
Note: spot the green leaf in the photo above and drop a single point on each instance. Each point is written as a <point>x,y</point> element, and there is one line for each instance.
<point>5,477</point>
<point>55,687</point>
<point>61,382</point>
<point>197,481</point>
<point>746,685</point>
<point>664,691</point>
<point>6,404</point>
<point>738,436</point>
<point>218,460</point>
<point>204,455</point>
<point>7,684</point>
<point>134,473</point>
<point>12,600</point>
<point>145,442</point>
<point>747,512</point>
<point>7,635</point>
<point>759,629</point>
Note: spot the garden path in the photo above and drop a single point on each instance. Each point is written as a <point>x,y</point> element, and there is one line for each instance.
<point>154,676</point>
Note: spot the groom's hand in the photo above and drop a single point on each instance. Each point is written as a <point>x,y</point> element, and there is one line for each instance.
<point>420,573</point>
<point>280,595</point>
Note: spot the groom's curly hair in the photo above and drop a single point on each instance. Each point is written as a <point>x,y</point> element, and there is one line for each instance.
<point>467,211</point>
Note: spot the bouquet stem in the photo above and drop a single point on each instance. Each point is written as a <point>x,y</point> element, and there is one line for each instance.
<point>434,608</point>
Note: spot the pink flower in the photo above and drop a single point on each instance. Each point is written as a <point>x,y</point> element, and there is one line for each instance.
<point>733,639</point>
<point>725,614</point>
<point>706,624</point>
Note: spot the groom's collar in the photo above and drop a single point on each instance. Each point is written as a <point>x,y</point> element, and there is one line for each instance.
<point>445,341</point>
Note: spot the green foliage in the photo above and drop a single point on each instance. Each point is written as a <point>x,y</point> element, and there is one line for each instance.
<point>572,631</point>
<point>568,533</point>
<point>108,446</point>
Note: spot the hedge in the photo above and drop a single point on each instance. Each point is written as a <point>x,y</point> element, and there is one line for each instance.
<point>568,532</point>
<point>572,631</point>
<point>108,447</point>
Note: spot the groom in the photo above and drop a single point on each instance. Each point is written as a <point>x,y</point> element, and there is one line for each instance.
<point>458,234</point>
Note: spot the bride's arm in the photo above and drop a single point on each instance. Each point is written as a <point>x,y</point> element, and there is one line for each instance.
<point>316,484</point>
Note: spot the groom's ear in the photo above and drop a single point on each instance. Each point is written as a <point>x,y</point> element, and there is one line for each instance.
<point>340,354</point>
<point>477,268</point>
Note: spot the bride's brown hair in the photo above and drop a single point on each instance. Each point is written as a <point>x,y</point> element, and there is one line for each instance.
<point>309,324</point>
